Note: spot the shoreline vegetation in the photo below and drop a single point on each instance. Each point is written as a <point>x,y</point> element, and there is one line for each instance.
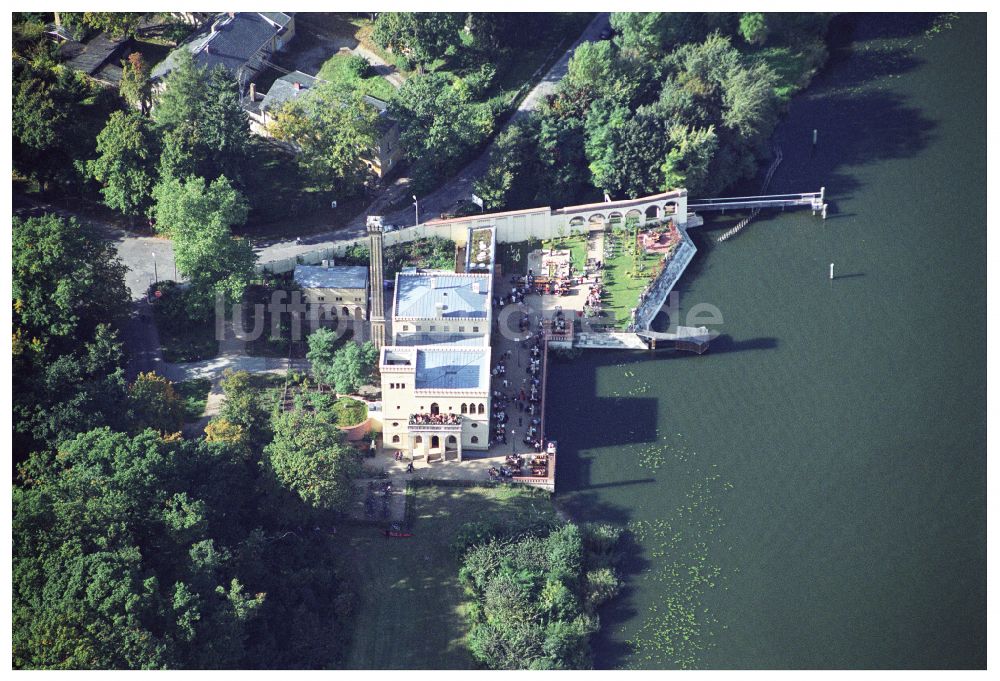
<point>135,547</point>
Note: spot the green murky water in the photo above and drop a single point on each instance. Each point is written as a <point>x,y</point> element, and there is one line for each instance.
<point>811,492</point>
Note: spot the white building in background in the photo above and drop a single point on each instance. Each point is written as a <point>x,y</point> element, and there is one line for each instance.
<point>436,373</point>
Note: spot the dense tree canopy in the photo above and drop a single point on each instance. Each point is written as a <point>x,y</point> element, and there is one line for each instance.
<point>669,103</point>
<point>197,216</point>
<point>66,279</point>
<point>308,456</point>
<point>69,294</point>
<point>144,552</point>
<point>153,403</point>
<point>534,598</point>
<point>440,123</point>
<point>424,36</point>
<point>126,163</point>
<point>347,368</point>
<point>332,130</point>
<point>135,87</point>
<point>47,123</point>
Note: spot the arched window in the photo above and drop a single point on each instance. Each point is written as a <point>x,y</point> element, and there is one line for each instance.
<point>482,408</point>
<point>452,440</point>
<point>465,408</point>
<point>652,212</point>
<point>347,313</point>
<point>434,408</point>
<point>395,439</point>
<point>475,439</point>
<point>418,440</point>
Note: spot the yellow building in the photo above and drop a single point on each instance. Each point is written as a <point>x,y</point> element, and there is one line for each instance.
<point>436,374</point>
<point>341,290</point>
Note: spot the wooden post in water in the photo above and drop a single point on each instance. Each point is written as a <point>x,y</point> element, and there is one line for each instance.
<point>831,271</point>
<point>815,136</point>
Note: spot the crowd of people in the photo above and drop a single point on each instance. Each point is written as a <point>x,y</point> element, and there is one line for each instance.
<point>526,398</point>
<point>435,419</point>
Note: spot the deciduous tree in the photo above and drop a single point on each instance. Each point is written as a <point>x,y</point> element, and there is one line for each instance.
<point>136,87</point>
<point>333,130</point>
<point>126,164</point>
<point>197,216</point>
<point>155,404</point>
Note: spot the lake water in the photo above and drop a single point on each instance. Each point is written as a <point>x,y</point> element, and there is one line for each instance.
<point>812,491</point>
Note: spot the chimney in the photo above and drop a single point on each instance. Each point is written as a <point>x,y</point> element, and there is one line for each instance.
<point>434,282</point>
<point>253,92</point>
<point>439,309</point>
<point>298,85</point>
<point>475,287</point>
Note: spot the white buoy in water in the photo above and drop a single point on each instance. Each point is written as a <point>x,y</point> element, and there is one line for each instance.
<point>831,271</point>
<point>815,135</point>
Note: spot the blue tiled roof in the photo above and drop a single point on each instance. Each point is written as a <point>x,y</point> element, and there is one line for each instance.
<point>418,295</point>
<point>452,369</point>
<point>338,276</point>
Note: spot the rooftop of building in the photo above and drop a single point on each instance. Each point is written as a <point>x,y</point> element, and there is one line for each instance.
<point>334,276</point>
<point>452,369</point>
<point>230,41</point>
<point>465,340</point>
<point>433,295</point>
<point>298,84</point>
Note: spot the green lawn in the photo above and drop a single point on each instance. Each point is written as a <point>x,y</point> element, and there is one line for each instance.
<point>195,396</point>
<point>410,609</point>
<point>577,246</point>
<point>336,70</point>
<point>621,290</point>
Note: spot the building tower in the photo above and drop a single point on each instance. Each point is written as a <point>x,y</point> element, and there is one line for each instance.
<point>377,315</point>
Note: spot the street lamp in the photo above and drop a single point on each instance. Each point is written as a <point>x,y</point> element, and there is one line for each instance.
<point>156,277</point>
<point>416,208</point>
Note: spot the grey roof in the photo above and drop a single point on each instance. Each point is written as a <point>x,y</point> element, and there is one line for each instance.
<point>283,89</point>
<point>419,295</point>
<point>227,42</point>
<point>452,369</point>
<point>91,56</point>
<point>279,18</point>
<point>471,340</point>
<point>337,276</point>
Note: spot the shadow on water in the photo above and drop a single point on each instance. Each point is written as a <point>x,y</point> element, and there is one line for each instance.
<point>594,426</point>
<point>855,129</point>
<point>856,124</point>
<point>588,506</point>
